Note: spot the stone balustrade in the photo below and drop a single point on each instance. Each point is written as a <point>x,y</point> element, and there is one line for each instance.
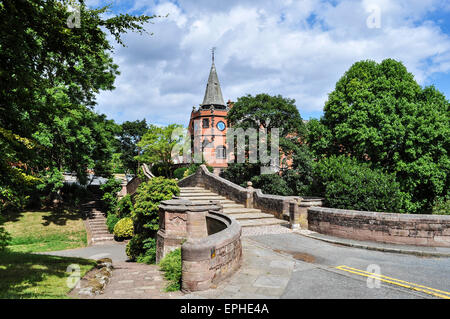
<point>292,208</point>
<point>210,241</point>
<point>211,259</point>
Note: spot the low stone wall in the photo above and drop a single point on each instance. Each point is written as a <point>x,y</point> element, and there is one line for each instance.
<point>422,230</point>
<point>273,204</point>
<point>132,185</point>
<point>211,259</point>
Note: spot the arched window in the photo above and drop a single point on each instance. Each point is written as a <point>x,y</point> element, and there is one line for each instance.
<point>221,152</point>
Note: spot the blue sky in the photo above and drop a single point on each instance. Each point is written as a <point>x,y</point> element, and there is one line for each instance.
<point>298,49</point>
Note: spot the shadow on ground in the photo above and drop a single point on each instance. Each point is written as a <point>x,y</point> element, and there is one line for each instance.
<point>60,216</point>
<point>26,275</point>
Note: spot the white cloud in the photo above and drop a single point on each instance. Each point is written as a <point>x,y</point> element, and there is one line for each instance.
<point>298,49</point>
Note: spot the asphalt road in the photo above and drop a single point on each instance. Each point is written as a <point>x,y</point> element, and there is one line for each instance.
<point>396,275</point>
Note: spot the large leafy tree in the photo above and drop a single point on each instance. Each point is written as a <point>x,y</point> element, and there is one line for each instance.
<point>379,114</point>
<point>158,143</point>
<point>268,112</point>
<point>264,110</point>
<point>130,135</point>
<point>51,72</point>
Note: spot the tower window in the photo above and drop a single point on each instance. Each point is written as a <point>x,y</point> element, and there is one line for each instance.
<point>205,123</point>
<point>221,152</point>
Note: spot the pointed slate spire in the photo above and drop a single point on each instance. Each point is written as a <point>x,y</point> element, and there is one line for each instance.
<point>213,93</point>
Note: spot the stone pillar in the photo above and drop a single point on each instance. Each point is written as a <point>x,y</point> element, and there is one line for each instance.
<point>172,226</point>
<point>179,220</point>
<point>250,191</point>
<point>196,224</point>
<point>303,209</point>
<point>294,213</point>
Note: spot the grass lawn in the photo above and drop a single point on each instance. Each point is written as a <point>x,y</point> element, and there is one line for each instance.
<point>26,275</point>
<point>39,231</point>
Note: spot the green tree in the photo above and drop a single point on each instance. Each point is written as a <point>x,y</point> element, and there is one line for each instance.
<point>157,145</point>
<point>129,137</point>
<point>348,184</point>
<point>268,112</point>
<point>379,114</point>
<point>50,75</point>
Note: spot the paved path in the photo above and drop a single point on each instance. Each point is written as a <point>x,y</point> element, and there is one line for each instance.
<point>137,281</point>
<point>129,279</point>
<point>264,275</point>
<point>280,263</point>
<point>325,270</point>
<point>115,251</point>
<point>289,265</point>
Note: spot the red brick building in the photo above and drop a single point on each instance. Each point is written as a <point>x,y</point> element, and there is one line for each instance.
<point>209,123</point>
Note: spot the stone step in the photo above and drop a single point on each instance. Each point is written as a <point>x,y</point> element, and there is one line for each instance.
<point>97,215</point>
<point>232,205</point>
<point>98,227</point>
<point>198,194</point>
<point>200,198</point>
<point>102,239</point>
<point>261,222</point>
<point>227,201</point>
<point>97,221</point>
<point>193,191</point>
<point>101,233</point>
<point>246,216</point>
<point>240,210</point>
<point>201,189</point>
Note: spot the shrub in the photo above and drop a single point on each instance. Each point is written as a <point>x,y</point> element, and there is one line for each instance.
<point>141,249</point>
<point>124,228</point>
<point>147,199</point>
<point>74,194</point>
<point>442,206</point>
<point>5,238</point>
<point>179,172</point>
<point>124,206</point>
<point>111,221</point>
<point>241,173</point>
<point>171,265</point>
<point>345,183</point>
<point>271,184</point>
<point>135,247</point>
<point>149,254</point>
<point>109,198</point>
<point>192,169</point>
<point>299,174</point>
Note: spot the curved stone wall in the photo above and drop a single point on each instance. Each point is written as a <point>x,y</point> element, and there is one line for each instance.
<point>423,230</point>
<point>211,259</point>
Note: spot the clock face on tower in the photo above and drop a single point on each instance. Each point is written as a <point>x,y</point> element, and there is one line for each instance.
<point>221,126</point>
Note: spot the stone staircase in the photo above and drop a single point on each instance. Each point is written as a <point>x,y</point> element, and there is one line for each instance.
<point>246,217</point>
<point>96,222</point>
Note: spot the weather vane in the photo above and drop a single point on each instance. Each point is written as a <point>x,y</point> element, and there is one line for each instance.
<point>213,49</point>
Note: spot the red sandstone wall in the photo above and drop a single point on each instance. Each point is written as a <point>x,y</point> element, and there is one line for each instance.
<point>423,230</point>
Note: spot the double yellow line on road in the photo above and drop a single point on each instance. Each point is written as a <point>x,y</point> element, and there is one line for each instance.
<point>398,282</point>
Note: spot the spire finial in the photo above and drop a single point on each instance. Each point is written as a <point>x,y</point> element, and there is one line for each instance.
<point>213,49</point>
